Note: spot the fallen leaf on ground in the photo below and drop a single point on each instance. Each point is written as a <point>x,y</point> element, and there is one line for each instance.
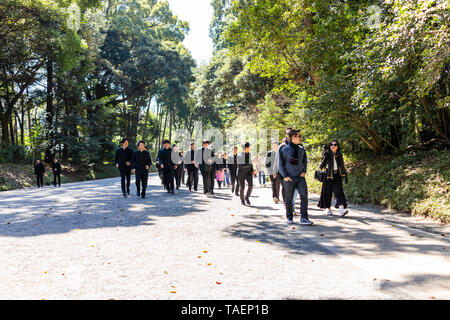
<point>173,292</point>
<point>199,257</point>
<point>218,282</point>
<point>293,227</point>
<point>172,287</point>
<point>205,251</point>
<point>165,272</point>
<point>374,279</point>
<point>209,264</point>
<point>321,234</point>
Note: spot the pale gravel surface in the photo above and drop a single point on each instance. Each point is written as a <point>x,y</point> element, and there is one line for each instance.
<point>85,241</point>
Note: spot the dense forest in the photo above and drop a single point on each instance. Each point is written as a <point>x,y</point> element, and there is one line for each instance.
<point>77,75</point>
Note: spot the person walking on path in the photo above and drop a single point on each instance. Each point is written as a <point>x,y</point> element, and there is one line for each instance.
<point>272,168</point>
<point>245,173</point>
<point>123,163</point>
<point>191,165</point>
<point>167,166</point>
<point>226,170</point>
<point>292,163</point>
<point>220,168</point>
<point>56,169</point>
<point>140,164</point>
<point>232,166</point>
<point>178,172</point>
<point>261,170</point>
<point>207,168</point>
<point>39,171</point>
<point>333,162</point>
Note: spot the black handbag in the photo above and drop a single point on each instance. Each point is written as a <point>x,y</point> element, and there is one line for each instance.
<point>320,175</point>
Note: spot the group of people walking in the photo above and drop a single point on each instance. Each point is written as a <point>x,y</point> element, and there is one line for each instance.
<point>286,165</point>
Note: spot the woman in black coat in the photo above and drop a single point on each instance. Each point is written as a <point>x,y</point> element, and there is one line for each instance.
<point>333,162</point>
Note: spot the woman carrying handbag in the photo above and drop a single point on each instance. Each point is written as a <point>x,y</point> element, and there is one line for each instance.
<point>333,162</point>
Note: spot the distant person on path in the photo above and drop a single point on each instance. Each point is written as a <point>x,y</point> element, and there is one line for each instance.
<point>226,170</point>
<point>232,166</point>
<point>123,163</point>
<point>333,162</point>
<point>140,164</point>
<point>292,163</point>
<point>220,170</point>
<point>272,168</point>
<point>160,171</point>
<point>39,171</point>
<point>207,168</point>
<point>56,169</point>
<point>167,166</point>
<point>178,172</point>
<point>245,173</point>
<point>191,166</point>
<point>261,171</point>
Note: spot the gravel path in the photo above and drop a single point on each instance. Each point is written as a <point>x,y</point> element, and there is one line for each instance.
<point>85,241</point>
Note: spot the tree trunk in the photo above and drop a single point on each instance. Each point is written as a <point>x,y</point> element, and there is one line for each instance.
<point>5,127</point>
<point>49,112</point>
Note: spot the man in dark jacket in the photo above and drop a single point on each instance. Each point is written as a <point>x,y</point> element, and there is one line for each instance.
<point>56,169</point>
<point>245,172</point>
<point>39,171</point>
<point>167,166</point>
<point>123,163</point>
<point>292,164</point>
<point>140,164</point>
<point>191,166</point>
<point>232,165</point>
<point>271,165</point>
<point>207,168</point>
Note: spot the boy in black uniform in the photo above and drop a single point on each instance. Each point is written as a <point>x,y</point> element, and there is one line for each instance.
<point>207,168</point>
<point>123,163</point>
<point>56,169</point>
<point>232,165</point>
<point>39,171</point>
<point>191,166</point>
<point>167,166</point>
<point>141,163</point>
<point>245,173</point>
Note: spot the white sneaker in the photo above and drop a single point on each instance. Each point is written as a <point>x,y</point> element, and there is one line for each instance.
<point>290,221</point>
<point>343,212</point>
<point>329,212</point>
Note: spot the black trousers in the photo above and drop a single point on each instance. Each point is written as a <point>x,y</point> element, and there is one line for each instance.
<point>168,179</point>
<point>298,183</point>
<point>125,174</point>
<point>234,181</point>
<point>330,186</point>
<point>40,180</point>
<point>242,177</point>
<point>56,175</point>
<point>178,173</point>
<point>275,181</point>
<point>208,180</point>
<point>141,179</point>
<point>192,180</point>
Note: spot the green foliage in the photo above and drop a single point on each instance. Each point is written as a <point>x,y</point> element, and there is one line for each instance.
<point>14,153</point>
<point>418,183</point>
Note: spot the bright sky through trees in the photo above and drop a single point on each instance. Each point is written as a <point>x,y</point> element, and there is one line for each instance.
<point>199,14</point>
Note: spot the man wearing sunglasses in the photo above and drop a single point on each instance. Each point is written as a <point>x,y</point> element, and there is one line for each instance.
<point>292,164</point>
